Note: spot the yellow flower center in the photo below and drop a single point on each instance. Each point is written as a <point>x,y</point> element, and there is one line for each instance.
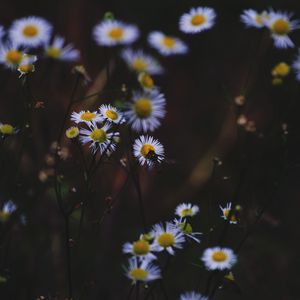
<point>53,52</point>
<point>98,135</point>
<point>187,212</point>
<point>232,217</point>
<point>139,64</point>
<point>6,129</point>
<point>111,114</point>
<point>198,20</point>
<point>4,216</point>
<point>147,149</point>
<point>281,27</point>
<point>166,239</point>
<point>30,31</point>
<point>141,247</point>
<point>87,116</point>
<point>282,69</point>
<point>143,107</point>
<point>72,132</point>
<point>138,274</point>
<point>146,81</point>
<point>219,256</point>
<point>14,56</point>
<point>169,42</point>
<point>116,33</point>
<point>26,68</point>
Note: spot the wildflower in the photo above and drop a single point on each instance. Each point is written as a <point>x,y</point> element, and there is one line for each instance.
<point>186,210</point>
<point>112,32</point>
<point>187,230</point>
<point>280,25</point>
<point>72,132</point>
<point>57,50</point>
<point>143,270</point>
<point>27,64</point>
<point>146,110</point>
<point>167,237</point>
<point>111,114</point>
<point>140,248</point>
<point>99,138</point>
<point>296,65</point>
<point>86,117</point>
<point>10,55</point>
<point>148,150</point>
<point>252,18</point>
<point>30,32</point>
<point>192,296</point>
<point>146,81</point>
<point>281,70</point>
<point>138,61</point>
<point>166,45</point>
<point>8,208</point>
<point>218,258</point>
<point>225,213</point>
<point>197,20</point>
<point>7,129</point>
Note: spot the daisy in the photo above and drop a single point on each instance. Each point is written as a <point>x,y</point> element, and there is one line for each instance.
<point>187,230</point>
<point>140,248</point>
<point>10,55</point>
<point>57,50</point>
<point>280,25</point>
<point>30,32</point>
<point>192,296</point>
<point>99,138</point>
<point>143,270</point>
<point>252,18</point>
<point>218,258</point>
<point>281,69</point>
<point>167,237</point>
<point>197,20</point>
<point>72,132</point>
<point>225,213</point>
<point>112,32</point>
<point>296,65</point>
<point>138,61</point>
<point>8,208</point>
<point>166,45</point>
<point>146,81</point>
<point>146,110</point>
<point>111,114</point>
<point>148,150</point>
<point>86,117</point>
<point>27,64</point>
<point>186,210</point>
<point>7,129</point>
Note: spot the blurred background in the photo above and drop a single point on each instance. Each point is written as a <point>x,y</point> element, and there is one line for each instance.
<point>259,161</point>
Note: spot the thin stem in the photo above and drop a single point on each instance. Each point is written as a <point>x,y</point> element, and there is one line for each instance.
<point>68,251</point>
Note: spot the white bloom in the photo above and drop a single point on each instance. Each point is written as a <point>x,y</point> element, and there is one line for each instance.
<point>218,258</point>
<point>192,296</point>
<point>57,50</point>
<point>187,230</point>
<point>148,150</point>
<point>111,114</point>
<point>86,117</point>
<point>186,210</point>
<point>8,208</point>
<point>167,237</point>
<point>225,213</point>
<point>30,32</point>
<point>138,61</point>
<point>252,18</point>
<point>197,20</point>
<point>10,55</point>
<point>112,32</point>
<point>140,248</point>
<point>27,64</point>
<point>146,110</point>
<point>165,44</point>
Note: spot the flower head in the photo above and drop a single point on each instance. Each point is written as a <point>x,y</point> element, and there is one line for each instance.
<point>86,117</point>
<point>10,55</point>
<point>252,18</point>
<point>218,258</point>
<point>282,69</point>
<point>111,114</point>
<point>187,230</point>
<point>225,213</point>
<point>140,248</point>
<point>146,81</point>
<point>192,296</point>
<point>186,210</point>
<point>7,129</point>
<point>72,132</point>
<point>27,64</point>
<point>8,208</point>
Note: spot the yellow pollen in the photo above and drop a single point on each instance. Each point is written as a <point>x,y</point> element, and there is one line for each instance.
<point>166,240</point>
<point>147,149</point>
<point>146,81</point>
<point>187,212</point>
<point>111,114</point>
<point>138,274</point>
<point>14,56</point>
<point>53,52</point>
<point>30,30</point>
<point>281,27</point>
<point>169,42</point>
<point>198,20</point>
<point>141,247</point>
<point>72,132</point>
<point>6,129</point>
<point>139,65</point>
<point>232,217</point>
<point>116,33</point>
<point>143,108</point>
<point>26,68</point>
<point>281,69</point>
<point>88,116</point>
<point>98,135</point>
<point>219,256</point>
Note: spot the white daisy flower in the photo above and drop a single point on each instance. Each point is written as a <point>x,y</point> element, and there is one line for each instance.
<point>280,25</point>
<point>166,45</point>
<point>146,81</point>
<point>225,213</point>
<point>30,32</point>
<point>197,20</point>
<point>252,18</point>
<point>148,150</point>
<point>167,237</point>
<point>27,64</point>
<point>86,117</point>
<point>140,248</point>
<point>112,32</point>
<point>296,65</point>
<point>192,296</point>
<point>142,271</point>
<point>218,258</point>
<point>146,110</point>
<point>10,55</point>
<point>186,210</point>
<point>187,230</point>
<point>8,208</point>
<point>138,61</point>
<point>57,50</point>
<point>111,114</point>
